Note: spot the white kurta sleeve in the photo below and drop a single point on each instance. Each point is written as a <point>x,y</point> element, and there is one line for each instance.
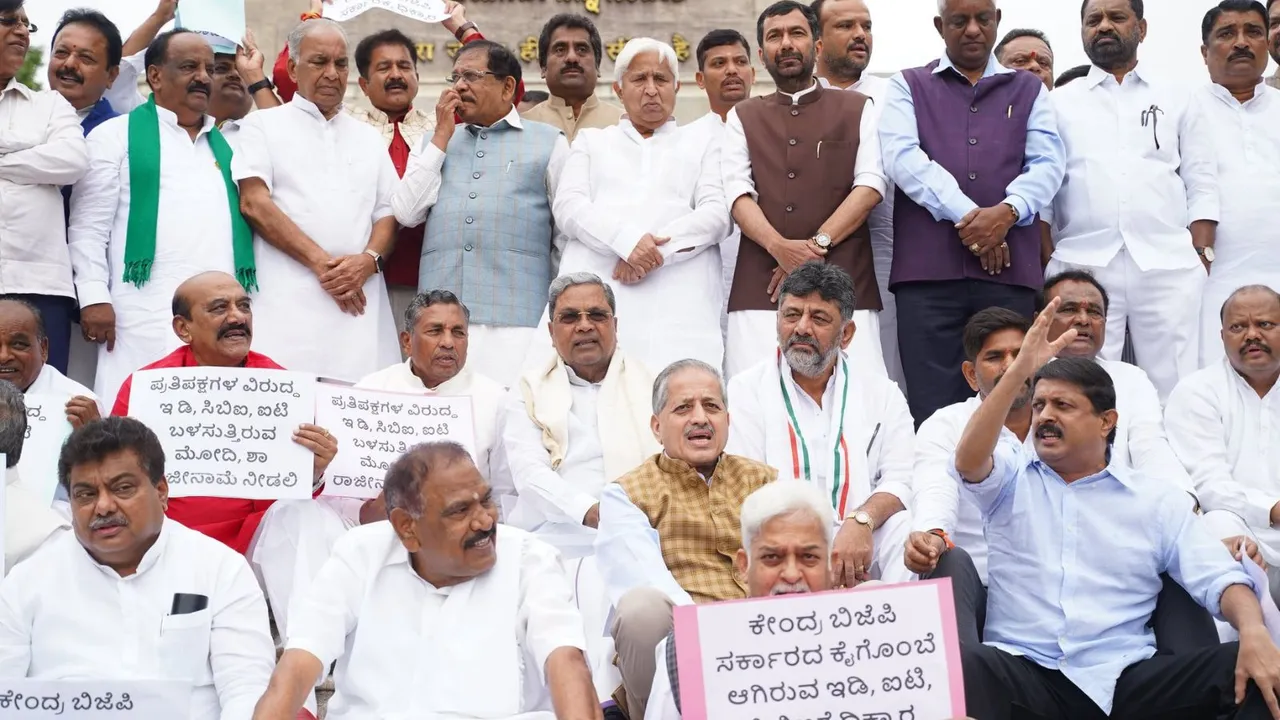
<point>388,181</point>
<point>735,161</point>
<point>555,168</point>
<point>708,223</point>
<point>548,617</point>
<point>602,229</point>
<point>1197,141</point>
<point>662,702</point>
<point>241,651</point>
<point>321,619</point>
<point>1148,445</point>
<point>60,158</point>
<point>892,452</point>
<point>935,498</point>
<point>93,214</point>
<point>629,552</point>
<point>15,630</point>
<point>419,189</point>
<point>252,158</point>
<point>868,168</point>
<point>1197,434</point>
<point>535,480</point>
<point>123,95</point>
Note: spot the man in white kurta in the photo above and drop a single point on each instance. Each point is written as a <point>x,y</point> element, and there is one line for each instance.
<point>845,51</point>
<point>439,613</point>
<point>435,341</point>
<point>814,414</point>
<point>571,427</point>
<point>118,614</point>
<point>642,204</point>
<point>131,321</point>
<point>1236,120</point>
<point>1224,425</point>
<point>316,185</point>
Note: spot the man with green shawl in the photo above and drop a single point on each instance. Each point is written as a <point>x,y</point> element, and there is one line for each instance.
<point>157,206</point>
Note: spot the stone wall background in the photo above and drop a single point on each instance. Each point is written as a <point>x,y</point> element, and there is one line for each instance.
<point>516,24</point>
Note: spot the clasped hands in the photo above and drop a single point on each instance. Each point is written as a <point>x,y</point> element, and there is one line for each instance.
<point>344,277</point>
<point>983,232</point>
<point>644,259</point>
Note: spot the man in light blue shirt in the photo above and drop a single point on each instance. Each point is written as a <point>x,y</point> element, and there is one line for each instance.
<point>1077,545</point>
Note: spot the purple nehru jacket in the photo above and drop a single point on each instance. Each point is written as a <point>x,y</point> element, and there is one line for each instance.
<point>979,135</point>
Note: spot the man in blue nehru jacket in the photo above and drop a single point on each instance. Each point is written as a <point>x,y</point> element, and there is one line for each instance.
<point>974,150</point>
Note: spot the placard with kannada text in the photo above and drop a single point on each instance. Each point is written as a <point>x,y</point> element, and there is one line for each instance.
<point>47,429</point>
<point>99,699</point>
<point>429,11</point>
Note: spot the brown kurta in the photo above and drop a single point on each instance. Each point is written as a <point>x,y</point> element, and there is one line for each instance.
<point>802,163</point>
<point>698,522</point>
<point>595,114</point>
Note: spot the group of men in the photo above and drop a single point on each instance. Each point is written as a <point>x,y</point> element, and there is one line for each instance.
<point>850,259</point>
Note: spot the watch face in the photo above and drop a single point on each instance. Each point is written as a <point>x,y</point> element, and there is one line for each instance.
<point>1209,254</point>
<point>822,240</point>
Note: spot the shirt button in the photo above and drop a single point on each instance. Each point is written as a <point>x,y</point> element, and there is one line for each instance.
<point>480,153</point>
<point>475,176</point>
<point>973,141</point>
<point>973,108</point>
<point>472,196</point>
<point>790,208</point>
<point>468,248</point>
<point>484,136</point>
<point>792,141</point>
<point>973,176</point>
<point>470,220</point>
<point>795,112</point>
<point>791,175</point>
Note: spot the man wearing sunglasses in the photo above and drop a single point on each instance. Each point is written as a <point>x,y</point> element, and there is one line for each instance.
<point>483,188</point>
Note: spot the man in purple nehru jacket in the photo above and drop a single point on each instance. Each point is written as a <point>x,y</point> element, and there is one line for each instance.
<point>802,173</point>
<point>975,152</point>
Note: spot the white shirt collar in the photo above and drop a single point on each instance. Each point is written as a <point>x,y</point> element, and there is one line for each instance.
<point>17,87</point>
<point>577,381</point>
<point>795,97</point>
<point>1245,387</point>
<point>1260,95</point>
<point>630,129</point>
<point>993,67</point>
<point>1097,76</point>
<point>170,118</point>
<point>313,110</point>
<point>512,117</point>
<point>149,560</point>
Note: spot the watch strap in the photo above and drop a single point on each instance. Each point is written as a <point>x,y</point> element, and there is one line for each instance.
<point>945,538</point>
<point>263,84</point>
<point>462,31</point>
<point>1013,211</point>
<point>377,259</point>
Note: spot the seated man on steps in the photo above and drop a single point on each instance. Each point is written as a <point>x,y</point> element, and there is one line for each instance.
<point>669,528</point>
<point>439,613</point>
<point>1077,547</point>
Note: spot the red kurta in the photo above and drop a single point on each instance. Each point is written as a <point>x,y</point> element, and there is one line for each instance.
<point>227,520</point>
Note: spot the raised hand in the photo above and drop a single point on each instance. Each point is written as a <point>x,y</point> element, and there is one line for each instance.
<point>1036,350</point>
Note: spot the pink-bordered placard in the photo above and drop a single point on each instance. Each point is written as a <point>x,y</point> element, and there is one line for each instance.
<point>689,649</point>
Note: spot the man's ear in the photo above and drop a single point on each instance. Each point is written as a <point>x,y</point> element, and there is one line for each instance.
<point>182,329</point>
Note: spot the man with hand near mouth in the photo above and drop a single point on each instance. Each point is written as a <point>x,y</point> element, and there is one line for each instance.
<point>484,187</point>
<point>1224,425</point>
<point>435,339</point>
<point>569,53</point>
<point>213,319</point>
<point>669,529</point>
<point>156,207</point>
<point>1236,106</point>
<point>441,612</point>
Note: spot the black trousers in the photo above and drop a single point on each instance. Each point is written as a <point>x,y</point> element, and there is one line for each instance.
<point>1192,676</point>
<point>931,320</point>
<point>58,313</point>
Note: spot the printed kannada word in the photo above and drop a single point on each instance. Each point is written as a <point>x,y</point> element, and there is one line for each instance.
<point>776,626</point>
<point>22,699</point>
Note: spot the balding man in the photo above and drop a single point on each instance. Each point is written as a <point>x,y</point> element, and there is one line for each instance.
<point>316,186</point>
<point>1224,424</point>
<point>213,318</point>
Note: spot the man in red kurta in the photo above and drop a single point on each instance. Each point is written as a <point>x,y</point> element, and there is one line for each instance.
<point>213,316</point>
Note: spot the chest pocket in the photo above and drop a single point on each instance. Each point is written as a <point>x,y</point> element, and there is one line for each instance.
<point>184,647</point>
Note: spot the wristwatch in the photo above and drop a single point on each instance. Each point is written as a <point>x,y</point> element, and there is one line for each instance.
<point>862,517</point>
<point>1014,212</point>
<point>377,260</point>
<point>822,240</point>
<point>1206,253</point>
<point>461,32</point>
<point>263,84</point>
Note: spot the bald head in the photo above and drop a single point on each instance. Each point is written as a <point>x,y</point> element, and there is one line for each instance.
<point>1251,335</point>
<point>214,315</point>
<point>23,345</point>
<point>1250,292</point>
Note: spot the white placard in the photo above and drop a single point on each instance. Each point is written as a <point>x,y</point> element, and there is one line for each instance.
<point>429,11</point>
<point>888,652</point>
<point>47,429</point>
<point>221,22</point>
<point>374,428</point>
<point>122,699</point>
<point>228,432</point>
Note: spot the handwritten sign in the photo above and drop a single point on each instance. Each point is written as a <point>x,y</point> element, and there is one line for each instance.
<point>428,11</point>
<point>132,699</point>
<point>228,432</point>
<point>221,22</point>
<point>374,428</point>
<point>883,653</point>
<point>47,429</point>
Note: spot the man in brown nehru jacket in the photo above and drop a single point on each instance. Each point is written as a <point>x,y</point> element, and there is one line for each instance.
<point>802,172</point>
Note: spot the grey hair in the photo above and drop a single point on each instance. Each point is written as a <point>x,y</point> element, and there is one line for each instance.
<point>402,487</point>
<point>422,301</point>
<point>661,382</point>
<point>305,28</point>
<point>564,282</point>
<point>13,422</point>
<point>831,283</point>
<point>639,46</point>
<point>782,498</point>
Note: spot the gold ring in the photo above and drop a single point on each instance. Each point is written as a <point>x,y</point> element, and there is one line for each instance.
<point>1004,246</point>
<point>975,248</point>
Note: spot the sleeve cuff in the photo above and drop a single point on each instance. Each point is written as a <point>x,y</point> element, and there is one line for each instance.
<point>1204,210</point>
<point>736,190</point>
<point>1259,515</point>
<point>93,293</point>
<point>309,647</point>
<point>1220,585</point>
<point>1025,216</point>
<point>873,181</point>
<point>896,489</point>
<point>580,505</point>
<point>628,237</point>
<point>958,208</point>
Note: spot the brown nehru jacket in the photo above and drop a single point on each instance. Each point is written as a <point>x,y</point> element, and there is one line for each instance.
<point>802,163</point>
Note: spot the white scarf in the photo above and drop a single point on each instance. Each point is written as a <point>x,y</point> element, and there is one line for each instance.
<point>623,413</point>
<point>848,480</point>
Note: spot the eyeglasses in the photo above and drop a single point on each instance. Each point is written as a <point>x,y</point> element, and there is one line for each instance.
<point>596,317</point>
<point>11,20</point>
<point>470,76</point>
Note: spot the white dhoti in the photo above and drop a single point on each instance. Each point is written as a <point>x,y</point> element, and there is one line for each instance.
<point>501,352</point>
<point>1223,524</point>
<point>888,317</point>
<point>889,548</point>
<point>292,543</point>
<point>1160,309</point>
<point>753,338</point>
